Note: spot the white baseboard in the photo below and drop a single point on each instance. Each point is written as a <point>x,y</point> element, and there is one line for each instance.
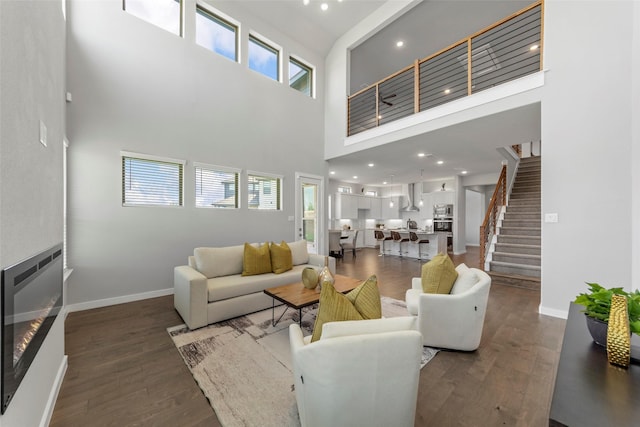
<point>81,306</point>
<point>562,314</point>
<point>53,395</point>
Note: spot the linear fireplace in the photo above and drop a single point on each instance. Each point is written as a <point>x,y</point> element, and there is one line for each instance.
<point>31,300</point>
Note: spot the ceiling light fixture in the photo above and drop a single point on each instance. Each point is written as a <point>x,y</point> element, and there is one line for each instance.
<point>305,2</point>
<point>421,154</point>
<point>384,182</point>
<point>324,7</point>
<point>440,162</point>
<point>399,43</point>
<point>332,172</point>
<point>355,176</point>
<point>463,172</point>
<point>371,165</point>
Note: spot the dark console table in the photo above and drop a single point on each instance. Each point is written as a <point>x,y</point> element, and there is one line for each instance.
<point>589,391</point>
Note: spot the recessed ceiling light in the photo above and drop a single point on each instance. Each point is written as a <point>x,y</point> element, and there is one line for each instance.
<point>371,165</point>
<point>324,6</point>
<point>305,2</point>
<point>332,172</point>
<point>463,172</point>
<point>421,154</point>
<point>534,47</point>
<point>384,182</point>
<point>440,162</point>
<point>399,43</point>
<point>355,176</point>
<point>447,91</point>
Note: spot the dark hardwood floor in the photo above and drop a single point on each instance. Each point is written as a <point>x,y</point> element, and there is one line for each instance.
<point>124,370</point>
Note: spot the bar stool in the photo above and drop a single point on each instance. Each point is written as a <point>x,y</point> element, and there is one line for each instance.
<point>397,238</point>
<point>418,241</point>
<point>381,238</point>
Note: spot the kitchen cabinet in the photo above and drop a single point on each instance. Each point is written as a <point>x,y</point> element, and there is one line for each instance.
<point>443,197</point>
<point>346,206</point>
<point>364,202</point>
<point>426,210</point>
<point>370,238</point>
<point>375,212</point>
<point>389,212</point>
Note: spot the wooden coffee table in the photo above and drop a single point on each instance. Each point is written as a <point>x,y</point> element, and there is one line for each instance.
<point>297,296</point>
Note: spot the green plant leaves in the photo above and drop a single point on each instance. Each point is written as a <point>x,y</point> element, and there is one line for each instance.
<point>597,304</point>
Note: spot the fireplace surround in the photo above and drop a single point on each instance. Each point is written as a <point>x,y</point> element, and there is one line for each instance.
<point>31,300</point>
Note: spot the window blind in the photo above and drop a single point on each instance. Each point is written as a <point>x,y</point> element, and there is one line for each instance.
<point>216,188</point>
<point>151,182</point>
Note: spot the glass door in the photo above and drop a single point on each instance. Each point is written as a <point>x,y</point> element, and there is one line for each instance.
<point>309,211</point>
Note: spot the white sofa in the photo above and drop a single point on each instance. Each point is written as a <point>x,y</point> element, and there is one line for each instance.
<point>359,373</point>
<point>211,288</point>
<point>455,320</point>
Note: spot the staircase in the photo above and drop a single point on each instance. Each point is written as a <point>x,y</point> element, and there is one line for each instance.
<point>516,259</point>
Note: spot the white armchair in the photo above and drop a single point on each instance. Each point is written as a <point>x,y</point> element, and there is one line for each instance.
<point>360,373</point>
<point>453,321</point>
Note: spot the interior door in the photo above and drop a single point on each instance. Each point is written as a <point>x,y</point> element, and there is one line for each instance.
<point>310,211</point>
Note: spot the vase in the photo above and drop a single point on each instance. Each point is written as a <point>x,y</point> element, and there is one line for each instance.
<point>325,275</point>
<point>310,277</point>
<point>598,330</point>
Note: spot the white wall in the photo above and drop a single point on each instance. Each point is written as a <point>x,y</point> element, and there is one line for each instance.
<point>587,139</point>
<point>473,217</point>
<point>32,48</point>
<point>139,88</point>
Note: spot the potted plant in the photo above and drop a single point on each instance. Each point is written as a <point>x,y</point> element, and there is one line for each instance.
<point>597,304</point>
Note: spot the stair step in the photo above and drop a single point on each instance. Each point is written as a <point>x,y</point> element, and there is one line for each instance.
<point>517,223</point>
<point>522,240</point>
<point>518,248</point>
<point>522,216</point>
<point>528,187</point>
<point>513,258</point>
<point>520,231</point>
<point>519,269</point>
<point>514,280</point>
<point>525,202</point>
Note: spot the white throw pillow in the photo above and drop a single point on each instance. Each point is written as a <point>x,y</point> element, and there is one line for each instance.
<point>462,267</point>
<point>464,282</point>
<point>216,262</point>
<point>299,254</point>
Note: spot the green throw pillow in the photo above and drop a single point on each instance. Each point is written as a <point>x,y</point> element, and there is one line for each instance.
<point>366,299</point>
<point>361,303</point>
<point>333,307</point>
<point>256,260</point>
<point>281,259</point>
<point>438,275</point>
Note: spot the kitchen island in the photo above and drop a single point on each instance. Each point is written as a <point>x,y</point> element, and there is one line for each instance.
<point>437,243</point>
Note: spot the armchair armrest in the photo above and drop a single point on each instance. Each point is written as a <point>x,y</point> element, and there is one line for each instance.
<point>190,296</point>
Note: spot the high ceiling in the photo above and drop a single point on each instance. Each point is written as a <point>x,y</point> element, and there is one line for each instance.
<point>469,146</point>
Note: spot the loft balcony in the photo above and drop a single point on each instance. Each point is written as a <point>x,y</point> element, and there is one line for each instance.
<point>506,50</point>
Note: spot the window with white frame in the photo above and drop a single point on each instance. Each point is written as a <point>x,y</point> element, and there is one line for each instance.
<point>300,76</point>
<point>344,189</point>
<point>216,186</point>
<point>264,57</point>
<point>165,14</point>
<point>216,33</point>
<point>151,181</point>
<point>264,191</point>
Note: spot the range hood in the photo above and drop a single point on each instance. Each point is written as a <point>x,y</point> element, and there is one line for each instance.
<point>410,195</point>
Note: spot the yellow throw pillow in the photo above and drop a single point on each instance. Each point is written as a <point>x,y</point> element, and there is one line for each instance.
<point>438,275</point>
<point>256,260</point>
<point>366,299</point>
<point>281,259</point>
<point>333,307</point>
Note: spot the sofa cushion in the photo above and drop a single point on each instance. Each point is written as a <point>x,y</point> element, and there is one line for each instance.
<point>215,262</point>
<point>366,299</point>
<point>465,281</point>
<point>333,307</point>
<point>256,260</point>
<point>438,275</point>
<point>299,254</point>
<point>281,259</point>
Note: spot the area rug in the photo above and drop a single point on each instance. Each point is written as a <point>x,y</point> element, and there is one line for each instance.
<point>243,365</point>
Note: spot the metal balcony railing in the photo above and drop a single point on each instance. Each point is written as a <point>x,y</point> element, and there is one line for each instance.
<point>508,49</point>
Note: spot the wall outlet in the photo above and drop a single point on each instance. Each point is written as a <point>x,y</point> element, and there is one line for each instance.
<point>551,217</point>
